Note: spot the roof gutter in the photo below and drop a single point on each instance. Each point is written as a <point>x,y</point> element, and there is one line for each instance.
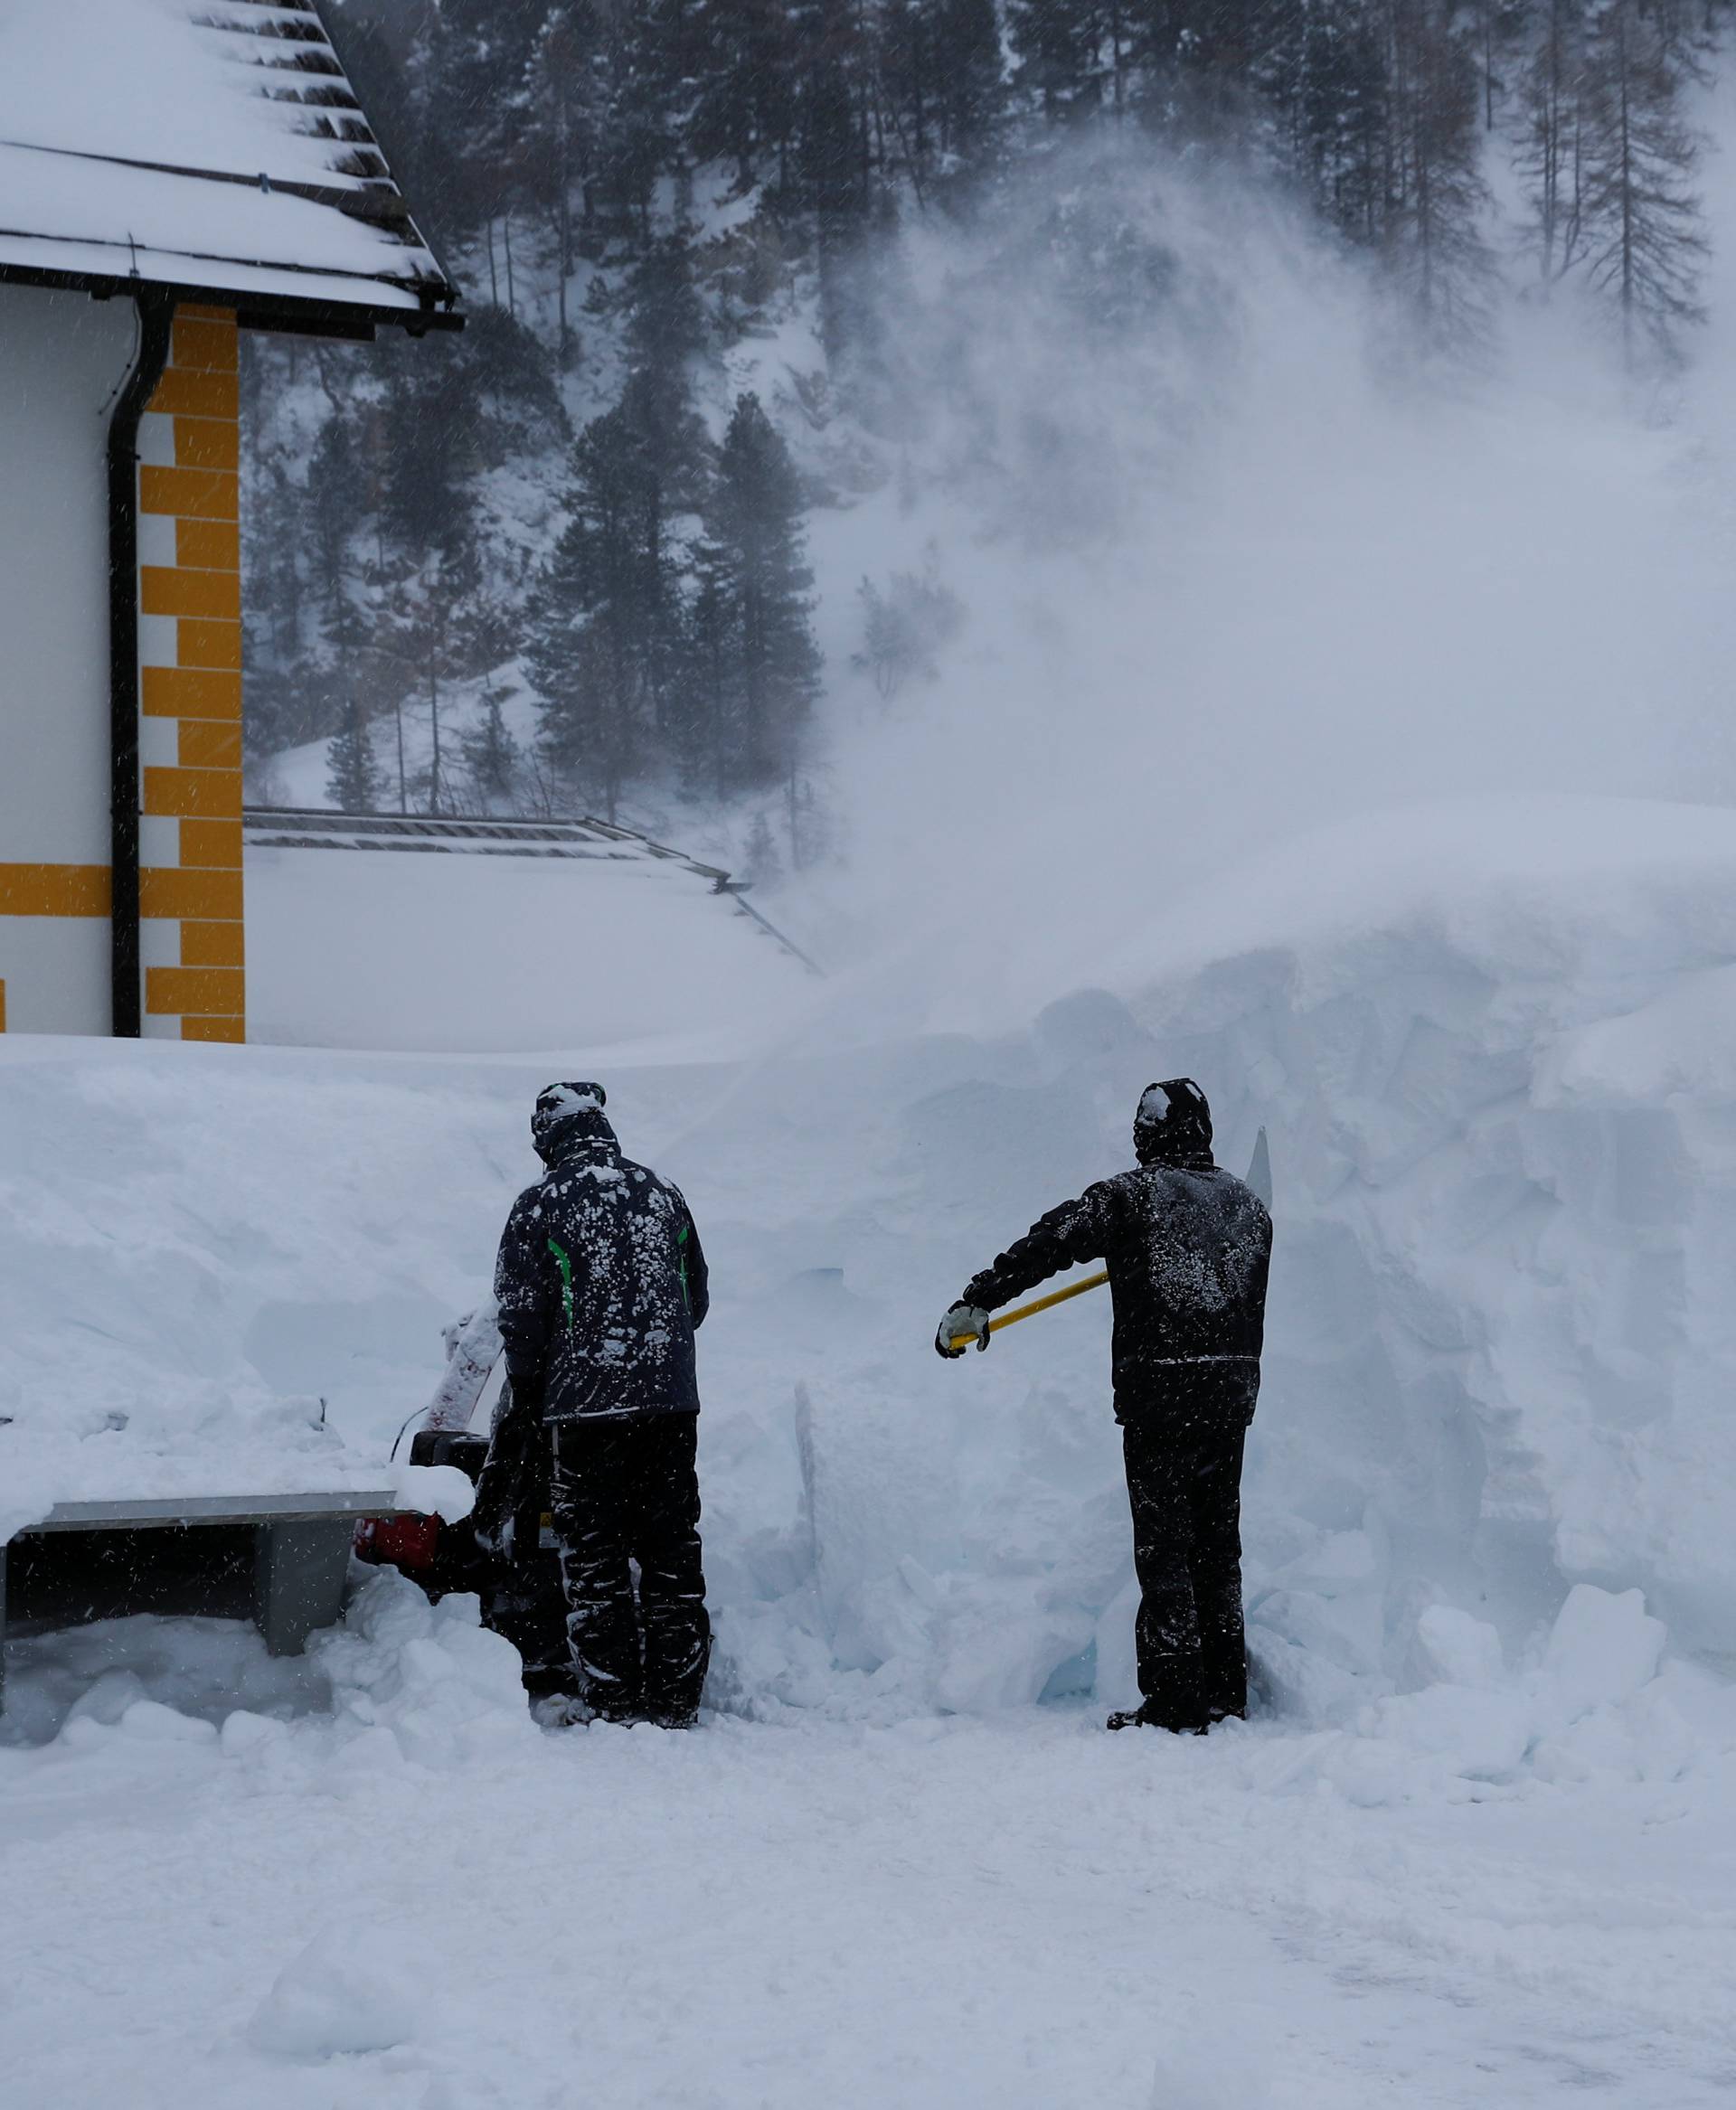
<point>317,316</point>
<point>155,314</point>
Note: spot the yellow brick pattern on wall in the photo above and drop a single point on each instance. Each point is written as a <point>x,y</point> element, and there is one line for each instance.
<point>190,780</point>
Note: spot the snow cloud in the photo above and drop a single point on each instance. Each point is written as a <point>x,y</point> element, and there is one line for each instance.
<point>1232,569</point>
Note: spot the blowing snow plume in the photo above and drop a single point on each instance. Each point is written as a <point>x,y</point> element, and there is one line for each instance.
<point>1231,569</point>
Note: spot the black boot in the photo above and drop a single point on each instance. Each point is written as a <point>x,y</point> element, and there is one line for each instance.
<point>1148,1717</point>
<point>671,1718</point>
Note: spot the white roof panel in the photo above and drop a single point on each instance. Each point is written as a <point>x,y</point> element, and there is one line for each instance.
<point>214,144</point>
<point>443,946</point>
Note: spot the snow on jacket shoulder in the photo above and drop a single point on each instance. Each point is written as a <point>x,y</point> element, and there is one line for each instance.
<point>600,1282</point>
<point>1188,1249</point>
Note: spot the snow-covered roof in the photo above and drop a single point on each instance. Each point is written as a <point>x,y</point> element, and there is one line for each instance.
<point>211,146</point>
<point>483,936</point>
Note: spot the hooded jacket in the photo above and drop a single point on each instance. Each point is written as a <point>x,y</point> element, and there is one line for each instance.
<point>1188,1247</point>
<point>601,1280</point>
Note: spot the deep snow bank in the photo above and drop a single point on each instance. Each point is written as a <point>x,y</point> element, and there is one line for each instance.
<point>1492,1048</point>
<point>1500,1053</point>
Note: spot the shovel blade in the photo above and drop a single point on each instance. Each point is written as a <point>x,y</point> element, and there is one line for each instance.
<point>1259,1171</point>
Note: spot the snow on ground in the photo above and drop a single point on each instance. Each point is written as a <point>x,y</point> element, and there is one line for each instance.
<point>1477,1845</point>
<point>1012,1910</point>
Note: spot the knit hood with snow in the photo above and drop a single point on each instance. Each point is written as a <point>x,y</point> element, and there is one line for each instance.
<point>1173,1125</point>
<point>567,1117</point>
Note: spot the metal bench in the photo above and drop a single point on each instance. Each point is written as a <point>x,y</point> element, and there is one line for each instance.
<point>279,1560</point>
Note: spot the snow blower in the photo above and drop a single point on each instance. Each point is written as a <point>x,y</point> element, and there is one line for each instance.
<point>503,1550</point>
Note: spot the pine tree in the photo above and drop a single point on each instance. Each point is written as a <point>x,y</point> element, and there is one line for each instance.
<point>334,487</point>
<point>354,782</point>
<point>436,624</point>
<point>760,864</point>
<point>744,99</point>
<point>491,758</point>
<point>1056,44</point>
<point>707,746</point>
<point>666,41</point>
<point>756,525</point>
<point>907,88</point>
<point>599,623</point>
<point>634,130</point>
<point>905,628</point>
<point>939,92</point>
<point>970,85</point>
<point>1196,62</point>
<point>1644,245</point>
<point>505,382</point>
<point>1322,78</point>
<point>422,422</point>
<point>281,712</point>
<point>1499,29</point>
<point>482,59</point>
<point>666,334</point>
<point>836,163</point>
<point>1551,134</point>
<point>558,146</point>
<point>809,822</point>
<point>1433,244</point>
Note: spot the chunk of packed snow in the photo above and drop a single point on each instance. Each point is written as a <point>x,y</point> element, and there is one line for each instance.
<point>1453,1647</point>
<point>348,1990</point>
<point>1603,1648</point>
<point>435,1491</point>
<point>428,1678</point>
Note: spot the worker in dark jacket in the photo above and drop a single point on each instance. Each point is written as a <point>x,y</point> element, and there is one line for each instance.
<point>1188,1246</point>
<point>600,1282</point>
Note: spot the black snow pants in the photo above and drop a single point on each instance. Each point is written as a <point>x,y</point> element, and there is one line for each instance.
<point>625,1490</point>
<point>1184,1465</point>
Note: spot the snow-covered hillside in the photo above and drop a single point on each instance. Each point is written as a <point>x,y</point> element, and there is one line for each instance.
<point>1222,570</point>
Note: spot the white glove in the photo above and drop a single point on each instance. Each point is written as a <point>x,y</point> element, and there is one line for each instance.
<point>962,1324</point>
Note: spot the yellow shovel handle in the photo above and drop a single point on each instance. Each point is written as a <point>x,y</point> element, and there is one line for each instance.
<point>1040,1303</point>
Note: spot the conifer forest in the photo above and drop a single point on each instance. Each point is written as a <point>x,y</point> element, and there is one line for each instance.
<point>561,562</point>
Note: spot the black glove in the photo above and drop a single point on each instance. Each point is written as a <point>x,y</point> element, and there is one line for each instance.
<point>962,1324</point>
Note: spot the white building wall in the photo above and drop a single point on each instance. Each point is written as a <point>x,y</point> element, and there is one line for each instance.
<point>56,971</point>
<point>63,358</point>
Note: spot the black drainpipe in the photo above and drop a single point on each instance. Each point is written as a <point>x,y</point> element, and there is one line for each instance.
<point>155,311</point>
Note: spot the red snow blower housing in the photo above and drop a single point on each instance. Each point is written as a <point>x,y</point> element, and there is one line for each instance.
<point>503,1550</point>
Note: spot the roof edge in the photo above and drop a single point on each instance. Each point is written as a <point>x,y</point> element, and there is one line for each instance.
<point>290,315</point>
